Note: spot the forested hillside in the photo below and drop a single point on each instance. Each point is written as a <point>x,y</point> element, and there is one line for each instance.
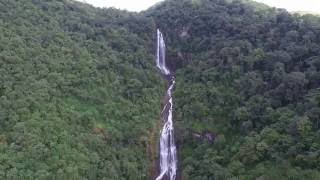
<point>80,96</point>
<point>249,79</point>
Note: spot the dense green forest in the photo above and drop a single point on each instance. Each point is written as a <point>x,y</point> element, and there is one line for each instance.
<point>80,95</point>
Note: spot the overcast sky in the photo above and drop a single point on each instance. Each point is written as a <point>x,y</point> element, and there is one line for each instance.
<point>138,5</point>
<point>295,5</point>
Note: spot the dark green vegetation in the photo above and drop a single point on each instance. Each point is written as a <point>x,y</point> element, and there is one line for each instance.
<point>251,75</point>
<point>80,95</point>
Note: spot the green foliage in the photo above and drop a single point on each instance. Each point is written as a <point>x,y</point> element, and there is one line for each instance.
<point>80,95</point>
<point>77,93</point>
<point>248,74</point>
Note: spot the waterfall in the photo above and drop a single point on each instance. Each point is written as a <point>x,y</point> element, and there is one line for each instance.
<point>161,54</point>
<point>168,154</point>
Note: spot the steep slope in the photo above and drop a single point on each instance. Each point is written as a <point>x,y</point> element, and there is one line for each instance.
<point>80,95</point>
<point>248,89</point>
<point>78,98</point>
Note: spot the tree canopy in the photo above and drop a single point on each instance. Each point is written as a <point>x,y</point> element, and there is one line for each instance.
<point>249,75</point>
<point>80,95</point>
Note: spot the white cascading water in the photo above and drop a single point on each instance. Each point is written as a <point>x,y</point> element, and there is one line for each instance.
<point>168,154</point>
<point>161,54</point>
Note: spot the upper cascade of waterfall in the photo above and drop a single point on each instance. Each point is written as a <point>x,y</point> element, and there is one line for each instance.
<point>161,54</point>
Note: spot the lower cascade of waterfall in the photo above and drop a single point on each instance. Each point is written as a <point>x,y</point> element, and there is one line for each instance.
<point>168,152</point>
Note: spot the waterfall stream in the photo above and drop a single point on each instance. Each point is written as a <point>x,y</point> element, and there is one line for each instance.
<point>168,154</point>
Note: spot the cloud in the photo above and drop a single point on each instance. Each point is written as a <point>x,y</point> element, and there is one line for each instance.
<point>295,5</point>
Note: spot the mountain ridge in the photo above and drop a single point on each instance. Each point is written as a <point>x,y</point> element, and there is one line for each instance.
<point>80,94</point>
